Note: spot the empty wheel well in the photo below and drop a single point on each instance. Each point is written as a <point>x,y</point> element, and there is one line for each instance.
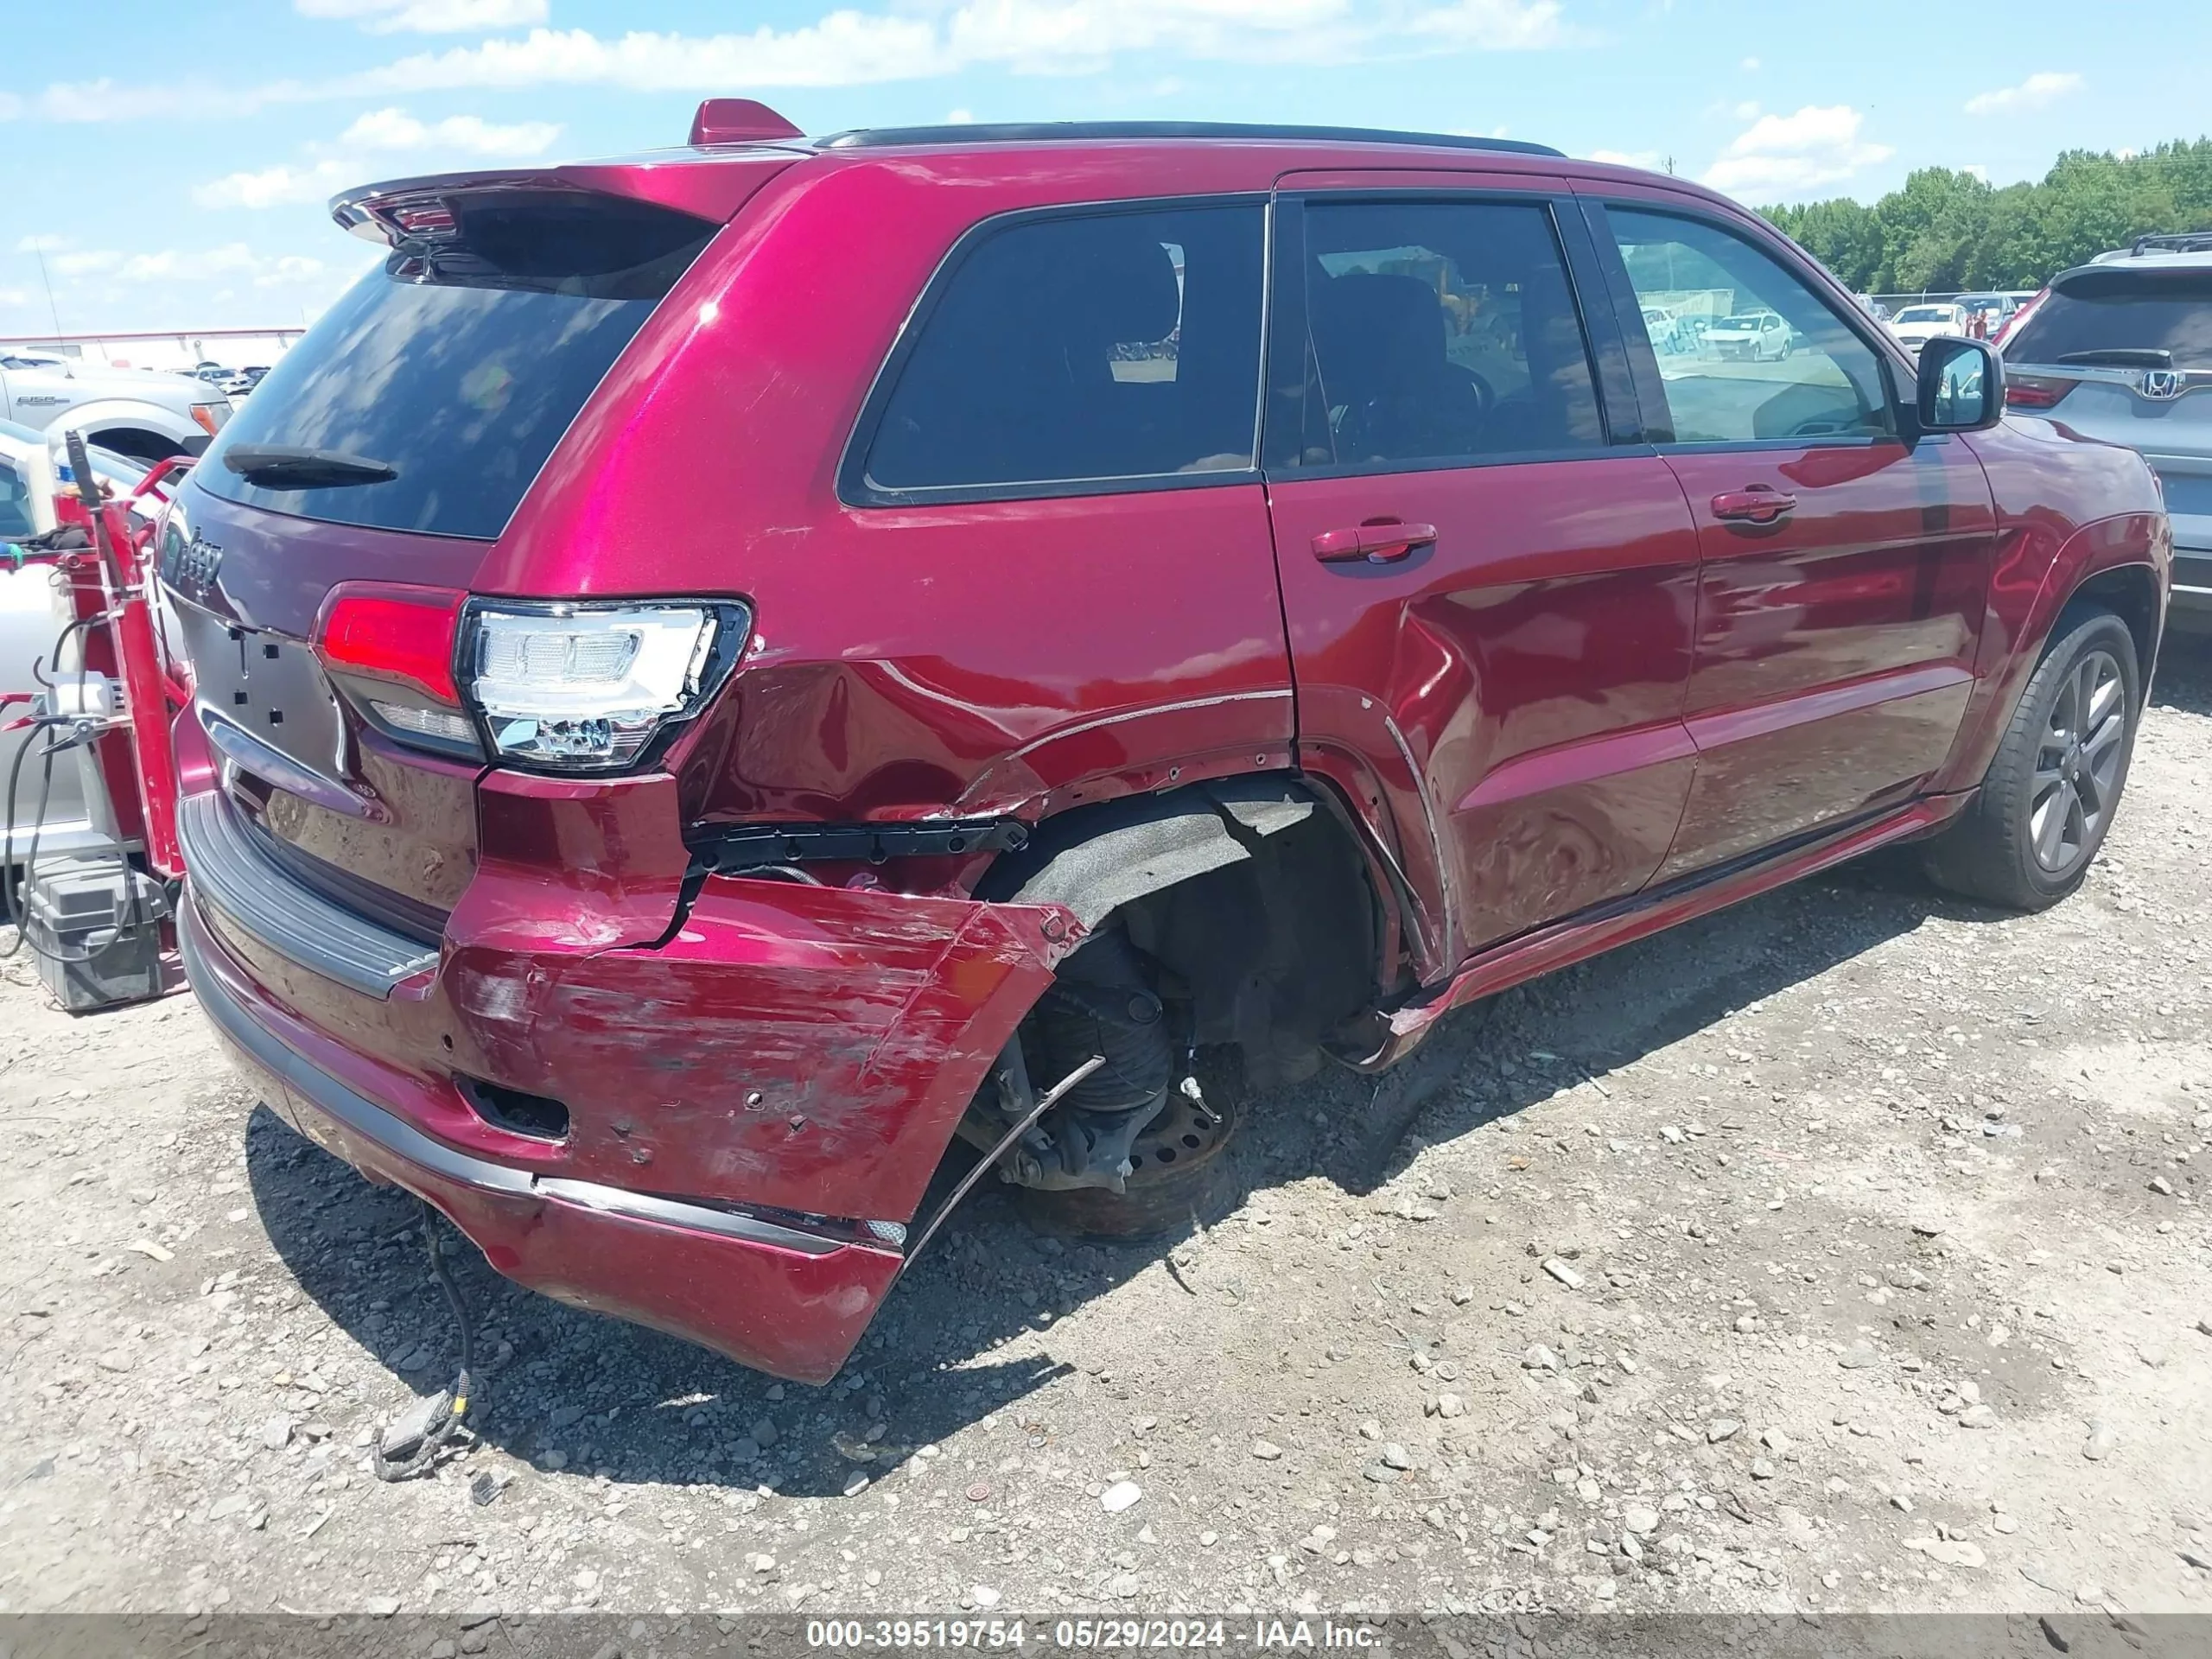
<point>2129,592</point>
<point>1249,897</point>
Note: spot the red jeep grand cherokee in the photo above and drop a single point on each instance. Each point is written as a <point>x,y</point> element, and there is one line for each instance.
<point>718,672</point>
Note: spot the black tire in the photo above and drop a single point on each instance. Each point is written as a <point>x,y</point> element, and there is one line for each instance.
<point>2004,849</point>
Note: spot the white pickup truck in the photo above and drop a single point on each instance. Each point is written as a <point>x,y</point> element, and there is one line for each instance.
<point>134,412</point>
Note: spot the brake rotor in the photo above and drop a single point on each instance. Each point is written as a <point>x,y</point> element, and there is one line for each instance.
<point>1171,1180</point>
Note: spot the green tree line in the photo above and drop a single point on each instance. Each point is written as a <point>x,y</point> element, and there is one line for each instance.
<point>1948,231</point>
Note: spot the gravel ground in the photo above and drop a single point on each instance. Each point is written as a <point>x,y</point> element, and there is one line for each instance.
<point>1844,1251</point>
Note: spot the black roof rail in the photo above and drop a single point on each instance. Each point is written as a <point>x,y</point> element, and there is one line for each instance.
<point>1028,132</point>
<point>2179,242</point>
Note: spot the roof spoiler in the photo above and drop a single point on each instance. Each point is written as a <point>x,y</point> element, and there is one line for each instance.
<point>711,186</point>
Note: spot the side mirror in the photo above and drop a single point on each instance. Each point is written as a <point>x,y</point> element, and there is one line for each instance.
<point>1961,385</point>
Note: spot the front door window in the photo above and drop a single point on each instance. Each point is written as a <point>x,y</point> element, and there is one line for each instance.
<point>1746,352</point>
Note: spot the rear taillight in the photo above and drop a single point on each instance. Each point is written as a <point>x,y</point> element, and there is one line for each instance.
<point>391,648</point>
<point>554,687</point>
<point>385,631</point>
<point>573,688</point>
<point>2035,392</point>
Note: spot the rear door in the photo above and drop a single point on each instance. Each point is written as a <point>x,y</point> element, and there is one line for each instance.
<point>1489,602</point>
<point>1844,562</point>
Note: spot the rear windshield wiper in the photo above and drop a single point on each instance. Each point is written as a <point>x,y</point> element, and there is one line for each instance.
<point>2123,356</point>
<point>283,467</point>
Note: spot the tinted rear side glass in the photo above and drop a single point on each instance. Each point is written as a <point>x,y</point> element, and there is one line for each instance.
<point>2121,310</point>
<point>1092,348</point>
<point>1440,332</point>
<point>462,359</point>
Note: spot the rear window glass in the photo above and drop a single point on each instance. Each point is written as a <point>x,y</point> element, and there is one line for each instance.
<point>2121,311</point>
<point>1091,347</point>
<point>459,362</point>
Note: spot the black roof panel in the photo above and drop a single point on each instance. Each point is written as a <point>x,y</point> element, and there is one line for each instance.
<point>1028,132</point>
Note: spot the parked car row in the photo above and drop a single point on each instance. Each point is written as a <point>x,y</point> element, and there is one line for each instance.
<point>1757,335</point>
<point>659,883</point>
<point>232,383</point>
<point>1977,316</point>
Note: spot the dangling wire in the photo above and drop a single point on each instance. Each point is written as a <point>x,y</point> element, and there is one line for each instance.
<point>453,1406</point>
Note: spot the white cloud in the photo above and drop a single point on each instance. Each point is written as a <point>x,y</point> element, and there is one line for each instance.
<point>290,268</point>
<point>1495,25</point>
<point>850,47</point>
<point>380,133</point>
<point>844,48</point>
<point>177,265</point>
<point>1750,63</point>
<point>1649,160</point>
<point>961,119</point>
<point>466,135</point>
<point>278,186</point>
<point>428,16</point>
<point>15,296</point>
<point>75,102</point>
<point>2033,93</point>
<point>83,262</point>
<point>47,243</point>
<point>1976,169</point>
<point>1783,156</point>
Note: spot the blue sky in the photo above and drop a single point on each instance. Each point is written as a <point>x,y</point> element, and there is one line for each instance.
<point>170,163</point>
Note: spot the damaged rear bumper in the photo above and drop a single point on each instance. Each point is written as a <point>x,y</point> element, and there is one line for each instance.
<point>779,1298</point>
<point>755,1102</point>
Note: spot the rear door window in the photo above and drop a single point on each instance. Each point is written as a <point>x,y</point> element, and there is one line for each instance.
<point>1440,332</point>
<point>2150,319</point>
<point>460,361</point>
<point>1064,353</point>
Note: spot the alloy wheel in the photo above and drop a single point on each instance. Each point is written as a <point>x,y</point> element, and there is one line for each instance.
<point>2077,764</point>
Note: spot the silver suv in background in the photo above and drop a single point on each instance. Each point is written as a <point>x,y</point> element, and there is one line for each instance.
<point>2121,349</point>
